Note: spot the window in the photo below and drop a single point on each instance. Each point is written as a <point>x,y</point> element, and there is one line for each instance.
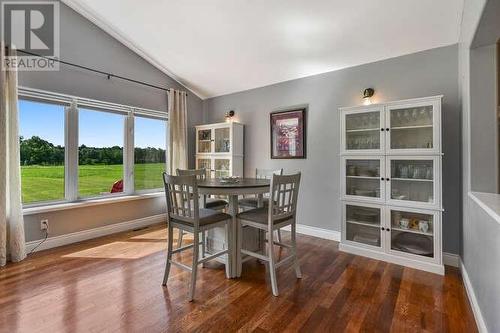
<point>75,148</point>
<point>100,153</point>
<point>41,133</point>
<point>150,137</point>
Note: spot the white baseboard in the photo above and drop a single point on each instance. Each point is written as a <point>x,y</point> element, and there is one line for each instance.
<point>317,232</point>
<point>79,236</point>
<point>451,259</point>
<point>476,310</point>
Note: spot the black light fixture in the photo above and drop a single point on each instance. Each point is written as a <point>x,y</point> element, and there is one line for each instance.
<point>229,115</point>
<point>367,95</point>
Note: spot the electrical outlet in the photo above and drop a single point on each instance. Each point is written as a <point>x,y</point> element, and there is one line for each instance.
<point>44,225</point>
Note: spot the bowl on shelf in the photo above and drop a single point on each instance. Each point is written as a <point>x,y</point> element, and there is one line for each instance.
<point>413,243</point>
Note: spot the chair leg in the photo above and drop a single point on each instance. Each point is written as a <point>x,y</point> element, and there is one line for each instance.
<point>228,255</point>
<point>272,263</point>
<point>278,232</point>
<point>170,243</point>
<point>194,267</point>
<point>298,273</point>
<point>179,239</point>
<point>203,246</point>
<point>238,250</point>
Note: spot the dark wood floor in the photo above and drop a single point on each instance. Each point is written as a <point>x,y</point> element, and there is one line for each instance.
<point>113,284</point>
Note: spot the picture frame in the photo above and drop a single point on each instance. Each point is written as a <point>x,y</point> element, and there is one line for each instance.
<point>288,134</point>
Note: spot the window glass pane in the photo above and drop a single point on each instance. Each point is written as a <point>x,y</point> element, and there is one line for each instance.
<point>150,153</point>
<point>100,155</point>
<point>41,131</point>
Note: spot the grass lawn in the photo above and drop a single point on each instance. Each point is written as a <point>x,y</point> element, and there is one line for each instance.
<point>45,183</point>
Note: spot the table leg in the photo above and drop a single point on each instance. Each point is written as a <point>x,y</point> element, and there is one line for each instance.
<point>235,239</point>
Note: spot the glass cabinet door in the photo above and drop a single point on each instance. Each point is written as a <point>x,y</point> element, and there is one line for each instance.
<point>363,178</point>
<point>413,232</point>
<point>205,163</point>
<point>363,224</point>
<point>222,167</point>
<point>222,140</point>
<point>363,131</point>
<point>413,128</point>
<point>204,141</point>
<point>413,179</point>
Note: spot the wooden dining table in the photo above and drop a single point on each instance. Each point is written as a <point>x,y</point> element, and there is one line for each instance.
<point>243,186</point>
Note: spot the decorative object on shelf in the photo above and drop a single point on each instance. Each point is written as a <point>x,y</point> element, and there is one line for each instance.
<point>229,115</point>
<point>288,134</point>
<point>404,223</point>
<point>367,95</point>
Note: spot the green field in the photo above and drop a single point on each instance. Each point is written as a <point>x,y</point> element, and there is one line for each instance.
<point>45,183</point>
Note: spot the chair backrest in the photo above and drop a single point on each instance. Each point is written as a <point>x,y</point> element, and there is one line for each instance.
<point>267,173</point>
<point>179,191</point>
<point>283,197</point>
<point>201,174</point>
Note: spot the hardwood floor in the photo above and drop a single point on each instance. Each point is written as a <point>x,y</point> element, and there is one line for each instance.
<point>113,284</point>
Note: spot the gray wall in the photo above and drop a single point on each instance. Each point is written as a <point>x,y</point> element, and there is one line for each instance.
<point>484,120</point>
<point>84,43</point>
<point>480,232</point>
<point>421,74</point>
<point>481,259</point>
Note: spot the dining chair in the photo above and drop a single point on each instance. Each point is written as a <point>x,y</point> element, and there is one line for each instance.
<point>280,213</point>
<point>184,214</point>
<point>210,203</point>
<point>253,201</point>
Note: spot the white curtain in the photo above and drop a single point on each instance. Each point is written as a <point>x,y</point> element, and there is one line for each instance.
<point>11,215</point>
<point>177,122</point>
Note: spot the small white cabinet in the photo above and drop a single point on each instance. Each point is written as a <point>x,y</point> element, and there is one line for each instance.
<point>391,182</point>
<point>219,149</point>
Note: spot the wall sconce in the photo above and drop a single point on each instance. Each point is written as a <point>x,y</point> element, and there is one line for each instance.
<point>229,115</point>
<point>367,95</point>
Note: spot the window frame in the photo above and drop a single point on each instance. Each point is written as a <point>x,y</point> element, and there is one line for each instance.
<point>72,104</point>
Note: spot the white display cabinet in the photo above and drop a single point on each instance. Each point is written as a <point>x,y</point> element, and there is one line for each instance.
<point>219,149</point>
<point>391,182</point>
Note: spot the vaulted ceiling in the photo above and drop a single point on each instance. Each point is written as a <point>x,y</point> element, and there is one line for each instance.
<point>218,47</point>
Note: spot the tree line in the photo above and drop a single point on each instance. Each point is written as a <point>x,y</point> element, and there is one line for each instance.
<point>36,151</point>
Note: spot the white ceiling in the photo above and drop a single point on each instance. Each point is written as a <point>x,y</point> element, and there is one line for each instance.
<point>221,46</point>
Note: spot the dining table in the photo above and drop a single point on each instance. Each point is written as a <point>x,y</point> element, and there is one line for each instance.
<point>233,188</point>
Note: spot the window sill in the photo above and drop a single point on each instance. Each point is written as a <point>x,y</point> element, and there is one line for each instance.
<point>89,202</point>
<point>489,202</point>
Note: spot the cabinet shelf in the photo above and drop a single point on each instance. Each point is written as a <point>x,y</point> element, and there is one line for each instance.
<point>413,180</point>
<point>413,231</point>
<point>363,130</point>
<point>411,127</point>
<point>363,177</point>
<point>367,224</point>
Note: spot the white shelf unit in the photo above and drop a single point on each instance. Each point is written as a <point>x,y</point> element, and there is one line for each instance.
<point>391,189</point>
<point>219,149</point>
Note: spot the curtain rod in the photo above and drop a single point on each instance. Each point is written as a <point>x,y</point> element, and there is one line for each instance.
<point>109,75</point>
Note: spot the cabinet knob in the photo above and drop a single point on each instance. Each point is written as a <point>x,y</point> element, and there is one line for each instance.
<point>381,129</point>
<point>388,229</point>
<point>387,179</point>
<point>382,228</point>
<point>382,179</point>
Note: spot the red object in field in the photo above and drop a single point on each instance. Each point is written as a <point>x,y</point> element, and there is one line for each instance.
<point>117,186</point>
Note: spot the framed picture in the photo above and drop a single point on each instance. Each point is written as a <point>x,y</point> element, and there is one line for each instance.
<point>288,134</point>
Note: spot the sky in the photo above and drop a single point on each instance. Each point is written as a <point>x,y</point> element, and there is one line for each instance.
<point>96,129</point>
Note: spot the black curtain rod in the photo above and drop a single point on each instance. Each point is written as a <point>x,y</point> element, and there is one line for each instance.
<point>109,75</point>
